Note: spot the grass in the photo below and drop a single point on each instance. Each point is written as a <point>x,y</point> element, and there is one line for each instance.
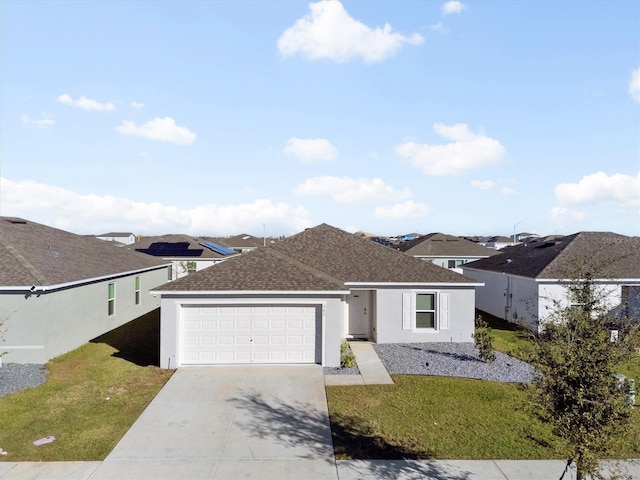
<point>90,399</point>
<point>447,417</point>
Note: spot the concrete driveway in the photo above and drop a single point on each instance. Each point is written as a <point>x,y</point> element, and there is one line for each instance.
<point>230,422</point>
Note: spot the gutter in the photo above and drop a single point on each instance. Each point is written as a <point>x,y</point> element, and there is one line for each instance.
<point>59,286</point>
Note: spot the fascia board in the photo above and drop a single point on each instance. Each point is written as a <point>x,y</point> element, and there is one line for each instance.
<point>77,283</point>
<point>218,293</point>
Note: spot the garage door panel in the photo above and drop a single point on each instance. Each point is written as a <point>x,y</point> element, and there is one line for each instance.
<point>249,334</point>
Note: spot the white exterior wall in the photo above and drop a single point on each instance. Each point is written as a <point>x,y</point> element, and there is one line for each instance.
<point>329,335</point>
<point>388,323</point>
<point>530,302</point>
<point>41,326</point>
<point>179,267</point>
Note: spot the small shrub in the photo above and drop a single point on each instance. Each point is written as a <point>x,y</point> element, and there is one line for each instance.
<point>484,340</point>
<point>347,359</point>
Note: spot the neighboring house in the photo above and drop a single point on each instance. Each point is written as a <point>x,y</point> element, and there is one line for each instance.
<point>526,282</point>
<point>59,290</point>
<point>445,250</point>
<point>125,238</point>
<point>294,301</point>
<point>241,243</point>
<point>186,254</point>
<point>498,242</point>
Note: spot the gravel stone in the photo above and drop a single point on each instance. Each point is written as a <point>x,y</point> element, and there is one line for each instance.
<point>341,370</point>
<point>16,376</point>
<point>451,360</point>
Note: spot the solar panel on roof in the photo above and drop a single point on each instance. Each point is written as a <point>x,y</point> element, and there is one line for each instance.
<point>218,248</point>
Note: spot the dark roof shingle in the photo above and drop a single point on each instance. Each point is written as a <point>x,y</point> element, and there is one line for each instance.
<point>35,254</point>
<point>320,258</point>
<point>609,255</point>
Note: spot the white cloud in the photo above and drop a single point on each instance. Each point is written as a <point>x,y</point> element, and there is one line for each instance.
<point>351,190</point>
<point>95,214</point>
<point>483,184</point>
<point>439,27</point>
<point>452,6</point>
<point>508,191</point>
<point>309,150</point>
<point>137,105</point>
<point>634,85</point>
<point>408,209</point>
<point>599,187</point>
<point>466,151</point>
<point>564,216</point>
<point>86,103</point>
<point>44,122</point>
<point>159,129</point>
<point>330,32</point>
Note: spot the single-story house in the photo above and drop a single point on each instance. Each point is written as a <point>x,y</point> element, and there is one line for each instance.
<point>526,283</point>
<point>186,254</point>
<point>294,301</point>
<point>125,238</point>
<point>59,290</point>
<point>498,242</point>
<point>445,250</point>
<point>242,243</point>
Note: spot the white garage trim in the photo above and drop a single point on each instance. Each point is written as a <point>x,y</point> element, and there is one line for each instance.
<point>229,332</point>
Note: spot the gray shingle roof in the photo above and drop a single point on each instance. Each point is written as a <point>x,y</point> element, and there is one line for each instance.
<point>441,245</point>
<point>35,254</point>
<point>320,258</point>
<point>610,255</point>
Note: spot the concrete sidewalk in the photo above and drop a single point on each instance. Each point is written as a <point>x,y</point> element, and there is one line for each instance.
<point>346,470</point>
<point>372,371</point>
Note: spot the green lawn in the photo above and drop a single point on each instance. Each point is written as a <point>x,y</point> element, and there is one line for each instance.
<point>447,417</point>
<point>90,399</point>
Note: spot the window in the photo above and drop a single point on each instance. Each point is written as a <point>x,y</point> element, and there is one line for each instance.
<point>455,263</point>
<point>137,293</point>
<point>170,272</point>
<point>111,302</point>
<point>425,310</point>
<point>191,267</point>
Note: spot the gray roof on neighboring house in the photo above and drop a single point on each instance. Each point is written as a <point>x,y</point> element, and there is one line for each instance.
<point>116,234</point>
<point>35,254</point>
<point>317,259</point>
<point>606,254</point>
<point>442,245</point>
<point>239,241</point>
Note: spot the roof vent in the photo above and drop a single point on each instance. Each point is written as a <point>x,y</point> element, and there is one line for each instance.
<point>15,220</point>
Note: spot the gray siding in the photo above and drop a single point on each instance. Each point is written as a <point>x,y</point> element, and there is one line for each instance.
<point>41,326</point>
<point>388,326</point>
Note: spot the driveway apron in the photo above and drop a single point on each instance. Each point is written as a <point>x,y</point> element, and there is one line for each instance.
<point>230,422</point>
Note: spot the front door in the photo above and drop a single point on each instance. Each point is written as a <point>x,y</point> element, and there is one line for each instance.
<point>359,313</point>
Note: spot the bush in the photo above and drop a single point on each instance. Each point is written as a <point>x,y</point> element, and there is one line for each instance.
<point>347,359</point>
<point>484,340</point>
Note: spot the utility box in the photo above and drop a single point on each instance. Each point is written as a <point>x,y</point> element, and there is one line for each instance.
<point>629,384</point>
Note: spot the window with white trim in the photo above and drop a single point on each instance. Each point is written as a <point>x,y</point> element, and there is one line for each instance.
<point>111,298</point>
<point>425,310</point>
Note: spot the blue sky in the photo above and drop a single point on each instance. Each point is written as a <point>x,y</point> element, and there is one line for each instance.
<point>220,118</point>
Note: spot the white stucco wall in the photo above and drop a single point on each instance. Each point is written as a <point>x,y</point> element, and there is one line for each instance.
<point>41,326</point>
<point>329,338</point>
<point>528,301</point>
<point>388,323</point>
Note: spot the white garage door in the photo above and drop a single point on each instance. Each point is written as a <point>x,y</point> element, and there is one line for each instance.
<point>248,334</point>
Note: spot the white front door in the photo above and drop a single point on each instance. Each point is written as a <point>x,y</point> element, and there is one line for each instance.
<point>359,313</point>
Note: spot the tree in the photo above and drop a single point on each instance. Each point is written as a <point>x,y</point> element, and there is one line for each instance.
<point>576,389</point>
<point>484,340</point>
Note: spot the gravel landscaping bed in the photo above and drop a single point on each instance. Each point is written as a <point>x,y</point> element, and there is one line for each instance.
<point>452,360</point>
<point>15,377</point>
<point>341,370</point>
